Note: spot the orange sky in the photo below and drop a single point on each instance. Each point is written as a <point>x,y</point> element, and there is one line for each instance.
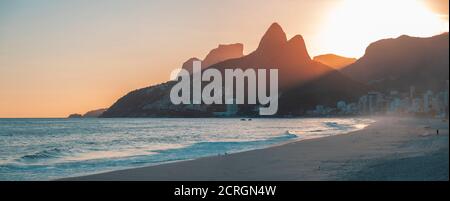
<point>61,57</point>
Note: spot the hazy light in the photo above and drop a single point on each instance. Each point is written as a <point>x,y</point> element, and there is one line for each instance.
<point>354,24</point>
<point>62,57</point>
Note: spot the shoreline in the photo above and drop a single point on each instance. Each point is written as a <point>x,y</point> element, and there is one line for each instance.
<point>379,151</point>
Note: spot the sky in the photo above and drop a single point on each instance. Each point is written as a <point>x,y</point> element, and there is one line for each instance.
<point>59,57</point>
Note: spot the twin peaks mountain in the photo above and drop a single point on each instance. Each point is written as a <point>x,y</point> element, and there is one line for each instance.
<point>275,51</point>
<point>303,82</point>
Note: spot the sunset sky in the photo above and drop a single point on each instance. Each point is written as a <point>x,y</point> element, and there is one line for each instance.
<point>59,57</point>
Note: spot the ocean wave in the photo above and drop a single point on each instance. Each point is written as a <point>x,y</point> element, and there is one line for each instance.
<point>121,153</point>
<point>332,124</point>
<point>219,147</point>
<point>79,151</point>
<point>336,125</point>
<point>316,131</point>
<point>95,155</point>
<point>44,154</point>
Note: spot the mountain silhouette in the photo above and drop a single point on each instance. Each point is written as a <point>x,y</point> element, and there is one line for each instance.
<point>90,114</point>
<point>290,57</point>
<point>222,53</point>
<point>303,83</point>
<point>397,64</point>
<point>273,40</point>
<point>335,61</point>
<point>187,65</point>
<point>94,113</point>
<point>219,54</point>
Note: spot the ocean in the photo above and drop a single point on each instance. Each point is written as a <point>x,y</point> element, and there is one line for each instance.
<point>47,149</point>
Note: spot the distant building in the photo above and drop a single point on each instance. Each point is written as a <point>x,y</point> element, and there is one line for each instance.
<point>351,108</point>
<point>412,92</point>
<point>341,106</point>
<point>395,102</point>
<point>319,109</point>
<point>375,102</point>
<point>440,103</point>
<point>416,105</point>
<point>363,105</point>
<point>427,100</point>
<point>395,105</point>
<point>430,103</point>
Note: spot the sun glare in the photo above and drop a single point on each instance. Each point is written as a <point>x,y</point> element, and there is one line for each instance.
<point>354,24</point>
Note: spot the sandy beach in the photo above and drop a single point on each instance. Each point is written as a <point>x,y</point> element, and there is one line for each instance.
<point>393,148</point>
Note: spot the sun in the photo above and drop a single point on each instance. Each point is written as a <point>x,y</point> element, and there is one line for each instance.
<point>354,24</point>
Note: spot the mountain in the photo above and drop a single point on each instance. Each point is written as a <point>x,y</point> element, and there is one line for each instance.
<point>75,115</point>
<point>326,90</point>
<point>335,61</point>
<point>187,65</point>
<point>89,114</point>
<point>153,101</point>
<point>303,82</point>
<point>315,82</point>
<point>397,64</point>
<point>216,55</point>
<point>222,53</point>
<point>94,113</point>
<point>274,51</point>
